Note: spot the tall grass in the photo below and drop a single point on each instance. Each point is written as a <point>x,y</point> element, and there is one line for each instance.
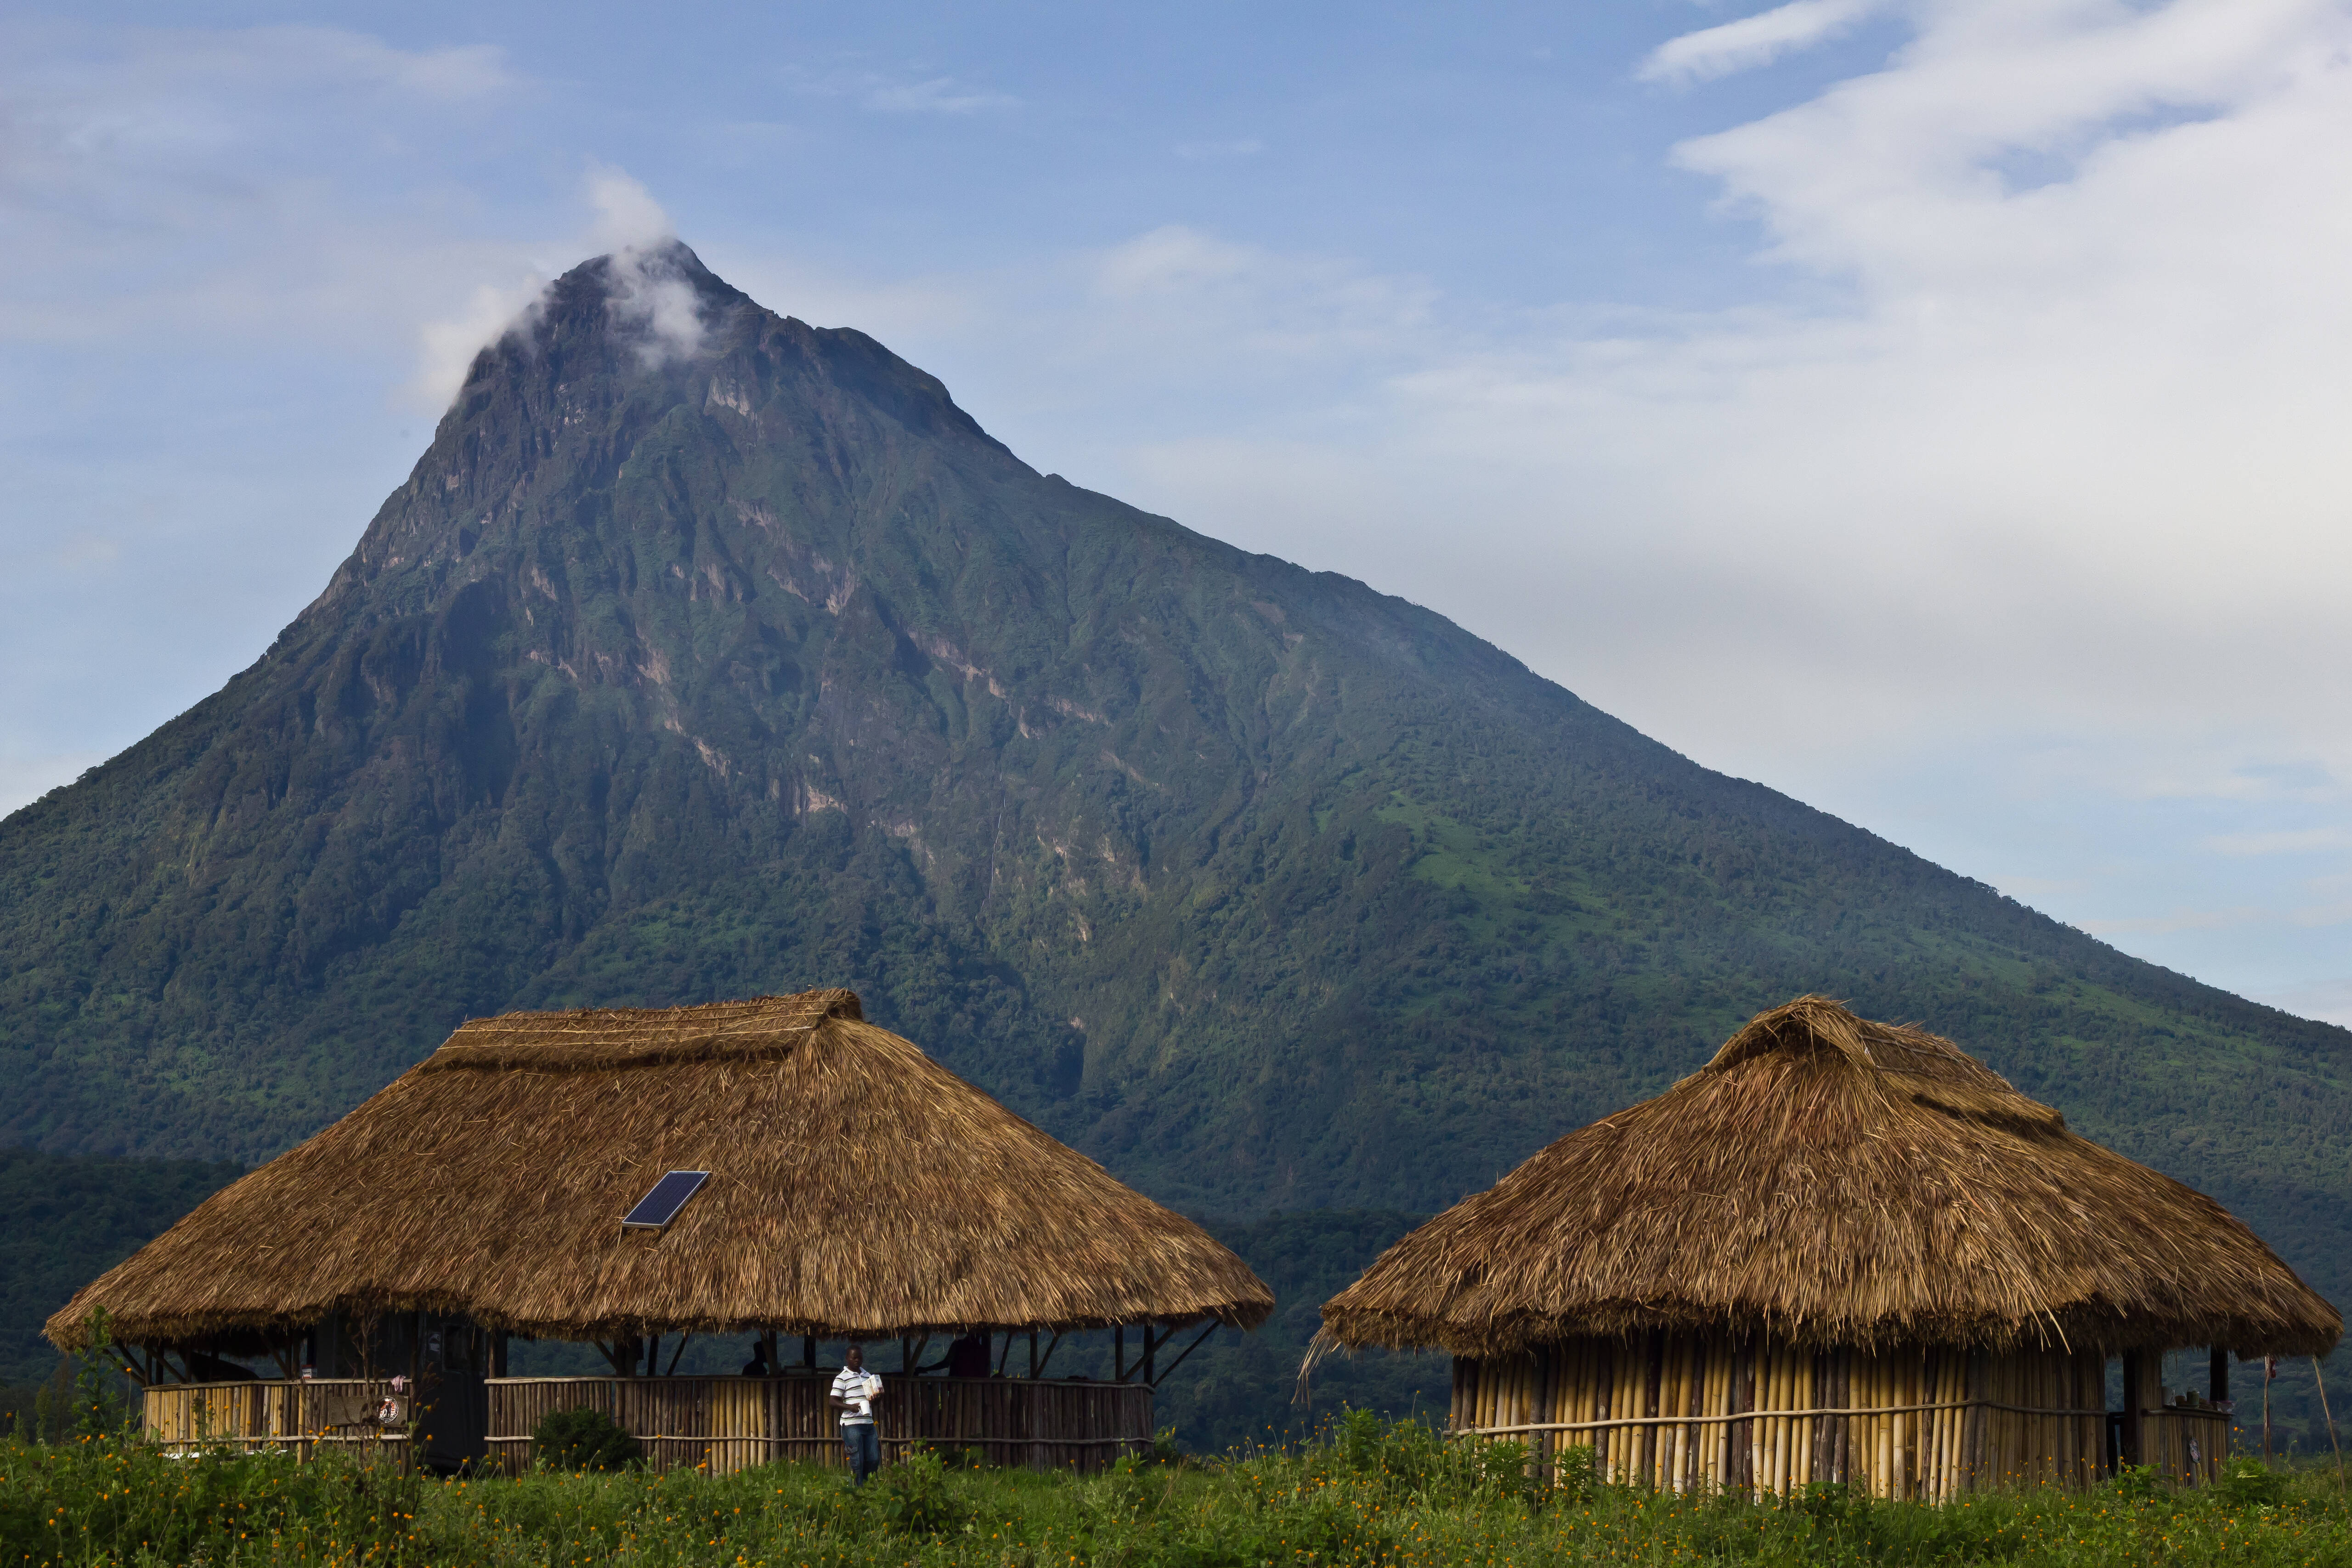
<point>1364,1493</point>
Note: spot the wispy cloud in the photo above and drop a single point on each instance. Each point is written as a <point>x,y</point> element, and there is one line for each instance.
<point>649,298</point>
<point>934,95</point>
<point>2296,841</point>
<point>1754,41</point>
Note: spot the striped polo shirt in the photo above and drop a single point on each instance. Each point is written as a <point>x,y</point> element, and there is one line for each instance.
<point>855,1385</point>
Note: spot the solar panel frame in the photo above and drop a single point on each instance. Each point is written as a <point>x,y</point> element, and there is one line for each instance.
<point>661,1205</point>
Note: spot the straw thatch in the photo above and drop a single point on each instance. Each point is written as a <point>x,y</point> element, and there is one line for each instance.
<point>858,1189</point>
<point>1838,1182</point>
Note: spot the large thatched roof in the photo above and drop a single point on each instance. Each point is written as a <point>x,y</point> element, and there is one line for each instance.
<point>1838,1181</point>
<point>857,1188</point>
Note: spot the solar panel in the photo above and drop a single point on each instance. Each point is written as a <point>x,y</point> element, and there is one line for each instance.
<point>660,1206</point>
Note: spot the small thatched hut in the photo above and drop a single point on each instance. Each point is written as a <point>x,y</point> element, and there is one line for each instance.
<point>854,1189</point>
<point>1840,1251</point>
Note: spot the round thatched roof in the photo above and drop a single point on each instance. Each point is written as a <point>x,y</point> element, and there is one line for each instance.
<point>857,1188</point>
<point>1832,1180</point>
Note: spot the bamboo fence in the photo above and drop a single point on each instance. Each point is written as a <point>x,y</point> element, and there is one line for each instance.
<point>300,1415</point>
<point>729,1424</point>
<point>1697,1411</point>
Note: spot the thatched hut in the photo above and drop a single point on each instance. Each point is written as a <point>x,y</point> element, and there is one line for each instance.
<point>854,1189</point>
<point>1842,1251</point>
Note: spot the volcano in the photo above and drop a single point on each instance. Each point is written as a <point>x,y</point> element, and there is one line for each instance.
<point>708,654</point>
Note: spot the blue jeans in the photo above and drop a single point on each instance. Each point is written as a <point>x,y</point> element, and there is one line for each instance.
<point>864,1450</point>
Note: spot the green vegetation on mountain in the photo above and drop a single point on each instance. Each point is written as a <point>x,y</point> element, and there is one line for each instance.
<point>673,676</point>
<point>65,1220</point>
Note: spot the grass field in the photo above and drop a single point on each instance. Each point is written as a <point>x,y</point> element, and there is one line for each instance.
<point>1367,1492</point>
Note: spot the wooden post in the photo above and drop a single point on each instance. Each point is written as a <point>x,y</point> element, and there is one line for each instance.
<point>808,1351</point>
<point>1118,1354</point>
<point>2270,1371</point>
<point>2131,1408</point>
<point>1033,1354</point>
<point>1150,1347</point>
<point>2329,1417</point>
<point>2217,1376</point>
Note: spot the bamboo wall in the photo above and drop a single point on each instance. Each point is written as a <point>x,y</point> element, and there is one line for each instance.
<point>2183,1442</point>
<point>729,1424</point>
<point>335,1411</point>
<point>1686,1411</point>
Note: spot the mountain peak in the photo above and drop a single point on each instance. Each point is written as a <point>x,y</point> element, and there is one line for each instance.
<point>709,654</point>
<point>658,300</point>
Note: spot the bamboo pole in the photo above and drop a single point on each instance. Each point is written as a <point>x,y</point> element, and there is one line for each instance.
<point>1900,1423</point>
<point>2330,1416</point>
<point>1947,1430</point>
<point>1931,1428</point>
<point>1701,1437</point>
<point>1673,1402</point>
<point>1604,1392</point>
<point>1883,1391</point>
<point>1784,1428</point>
<point>1801,1397</point>
<point>1862,1456</point>
<point>1719,1464</point>
<point>1685,1393</point>
<point>1948,1454</point>
<point>1739,1464</point>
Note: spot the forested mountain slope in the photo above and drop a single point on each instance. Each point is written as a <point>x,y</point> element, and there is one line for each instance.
<point>679,673</point>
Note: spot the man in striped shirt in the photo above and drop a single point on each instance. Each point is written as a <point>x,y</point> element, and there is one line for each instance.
<point>854,1389</point>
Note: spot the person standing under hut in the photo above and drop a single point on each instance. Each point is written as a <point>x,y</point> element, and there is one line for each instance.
<point>854,1389</point>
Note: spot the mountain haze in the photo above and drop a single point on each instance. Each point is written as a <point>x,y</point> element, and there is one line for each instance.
<point>705,654</point>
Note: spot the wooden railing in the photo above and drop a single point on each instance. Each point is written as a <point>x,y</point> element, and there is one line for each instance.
<point>729,1423</point>
<point>188,1417</point>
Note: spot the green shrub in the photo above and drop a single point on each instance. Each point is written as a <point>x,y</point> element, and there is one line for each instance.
<point>1576,1474</point>
<point>915,1497</point>
<point>1378,1496</point>
<point>2245,1480</point>
<point>2138,1482</point>
<point>583,1440</point>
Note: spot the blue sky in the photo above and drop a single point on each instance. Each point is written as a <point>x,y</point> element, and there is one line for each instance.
<point>1932,408</point>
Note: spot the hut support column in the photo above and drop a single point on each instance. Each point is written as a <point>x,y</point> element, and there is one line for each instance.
<point>2131,1408</point>
<point>2217,1374</point>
